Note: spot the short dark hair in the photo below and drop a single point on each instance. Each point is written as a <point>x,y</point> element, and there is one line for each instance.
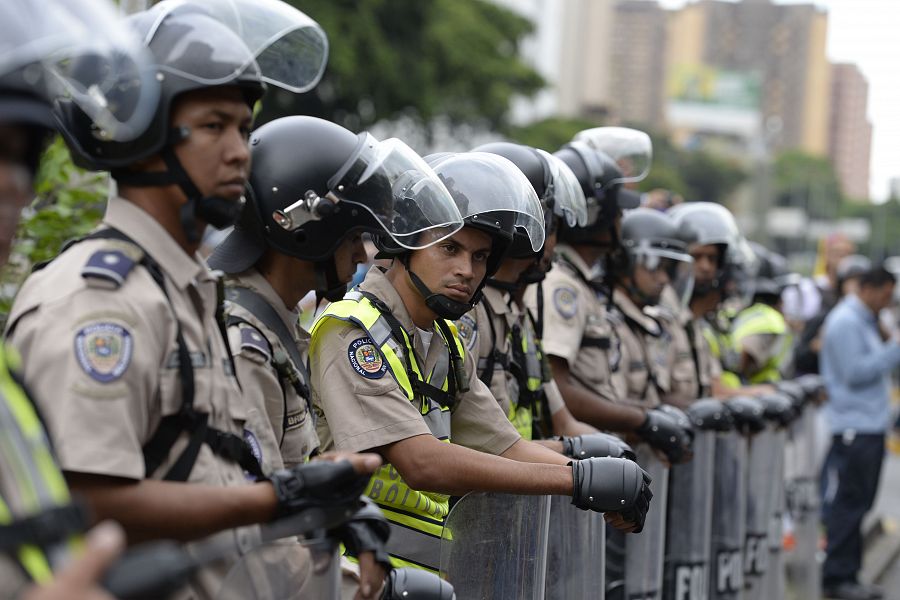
<point>877,277</point>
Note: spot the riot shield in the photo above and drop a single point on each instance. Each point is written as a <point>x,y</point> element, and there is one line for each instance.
<point>575,552</point>
<point>690,506</point>
<point>726,580</point>
<point>644,551</point>
<point>802,497</point>
<point>761,456</point>
<point>284,570</point>
<point>773,580</point>
<point>495,546</point>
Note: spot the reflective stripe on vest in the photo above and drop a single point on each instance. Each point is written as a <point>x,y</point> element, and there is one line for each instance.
<point>761,319</point>
<point>416,517</point>
<point>26,460</point>
<point>718,343</point>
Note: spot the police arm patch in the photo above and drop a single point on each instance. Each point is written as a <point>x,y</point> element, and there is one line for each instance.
<point>366,359</point>
<point>468,331</point>
<point>104,350</point>
<point>565,299</point>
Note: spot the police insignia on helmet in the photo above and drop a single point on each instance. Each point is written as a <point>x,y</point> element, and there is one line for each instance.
<point>365,358</point>
<point>103,350</point>
<point>565,299</point>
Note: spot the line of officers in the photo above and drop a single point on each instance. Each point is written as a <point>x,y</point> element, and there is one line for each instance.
<point>516,322</point>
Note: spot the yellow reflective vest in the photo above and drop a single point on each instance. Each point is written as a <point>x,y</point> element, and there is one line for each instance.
<point>761,319</point>
<point>416,517</point>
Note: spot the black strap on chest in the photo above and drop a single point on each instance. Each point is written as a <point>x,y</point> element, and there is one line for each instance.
<point>495,357</point>
<point>187,420</point>
<point>46,528</point>
<point>639,330</point>
<point>692,340</point>
<point>445,399</point>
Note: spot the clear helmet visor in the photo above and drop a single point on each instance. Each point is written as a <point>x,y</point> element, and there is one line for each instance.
<point>82,51</point>
<point>407,198</point>
<point>631,149</point>
<point>677,266</point>
<point>569,202</point>
<point>290,49</point>
<point>481,183</point>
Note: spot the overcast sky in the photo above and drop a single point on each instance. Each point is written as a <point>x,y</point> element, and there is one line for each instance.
<point>867,32</point>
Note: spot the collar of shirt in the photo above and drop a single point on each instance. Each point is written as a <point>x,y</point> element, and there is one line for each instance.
<point>147,232</point>
<point>861,310</point>
<point>257,282</point>
<point>377,283</point>
<point>630,309</point>
<point>575,259</point>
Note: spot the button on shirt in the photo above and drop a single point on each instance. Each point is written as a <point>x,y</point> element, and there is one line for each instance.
<point>856,365</point>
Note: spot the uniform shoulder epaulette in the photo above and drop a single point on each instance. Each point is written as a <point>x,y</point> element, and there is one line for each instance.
<point>111,265</point>
<point>252,339</point>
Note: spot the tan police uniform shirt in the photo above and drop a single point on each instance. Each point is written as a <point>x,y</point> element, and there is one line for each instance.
<point>282,431</point>
<point>475,327</point>
<point>359,413</point>
<point>101,361</point>
<point>576,327</point>
<point>642,374</point>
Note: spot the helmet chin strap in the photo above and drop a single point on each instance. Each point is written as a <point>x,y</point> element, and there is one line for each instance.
<point>328,285</point>
<point>213,210</point>
<point>441,305</point>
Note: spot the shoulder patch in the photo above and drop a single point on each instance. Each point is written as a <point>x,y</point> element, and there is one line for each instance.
<point>365,358</point>
<point>468,331</point>
<point>109,265</point>
<point>253,340</point>
<point>104,350</point>
<point>565,299</point>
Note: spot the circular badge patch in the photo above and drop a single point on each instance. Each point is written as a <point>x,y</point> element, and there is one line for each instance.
<point>565,299</point>
<point>103,350</point>
<point>366,359</point>
<point>467,331</point>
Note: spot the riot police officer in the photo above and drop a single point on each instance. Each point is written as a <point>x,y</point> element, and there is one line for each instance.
<point>143,407</point>
<point>390,373</point>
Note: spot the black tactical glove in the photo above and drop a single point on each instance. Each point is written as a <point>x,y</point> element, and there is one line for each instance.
<point>747,413</point>
<point>596,445</point>
<point>813,386</point>
<point>318,483</point>
<point>778,408</point>
<point>408,583</point>
<point>710,414</point>
<point>663,433</point>
<point>367,531</point>
<point>612,485</point>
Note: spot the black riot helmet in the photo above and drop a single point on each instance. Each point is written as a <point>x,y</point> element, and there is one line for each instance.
<point>314,183</point>
<point>770,276</point>
<point>492,195</point>
<point>714,226</point>
<point>654,241</point>
<point>199,45</point>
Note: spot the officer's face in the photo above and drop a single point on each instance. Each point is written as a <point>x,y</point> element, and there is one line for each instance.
<point>216,154</point>
<point>650,283</point>
<point>549,249</point>
<point>456,266</point>
<point>350,253</point>
<point>706,263</point>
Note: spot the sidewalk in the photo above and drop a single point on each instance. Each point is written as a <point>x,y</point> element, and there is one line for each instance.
<point>881,563</point>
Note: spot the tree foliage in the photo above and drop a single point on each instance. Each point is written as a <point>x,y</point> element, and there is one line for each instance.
<point>428,58</point>
<point>807,182</point>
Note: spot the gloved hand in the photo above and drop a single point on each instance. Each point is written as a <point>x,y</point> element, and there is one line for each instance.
<point>663,433</point>
<point>612,485</point>
<point>779,408</point>
<point>747,413</point>
<point>710,414</point>
<point>367,531</point>
<point>813,386</point>
<point>318,483</point>
<point>408,582</point>
<point>596,445</point>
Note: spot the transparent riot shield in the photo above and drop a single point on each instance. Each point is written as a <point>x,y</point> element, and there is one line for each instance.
<point>773,580</point>
<point>495,546</point>
<point>802,495</point>
<point>760,479</point>
<point>690,506</point>
<point>644,551</point>
<point>284,570</point>
<point>726,580</point>
<point>575,552</point>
